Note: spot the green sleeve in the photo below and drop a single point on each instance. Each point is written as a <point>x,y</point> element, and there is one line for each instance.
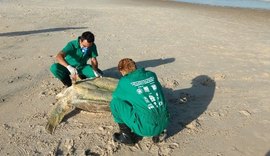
<point>69,48</point>
<point>93,51</point>
<point>120,89</point>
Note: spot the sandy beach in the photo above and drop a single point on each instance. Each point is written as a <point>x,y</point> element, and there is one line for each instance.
<point>212,62</point>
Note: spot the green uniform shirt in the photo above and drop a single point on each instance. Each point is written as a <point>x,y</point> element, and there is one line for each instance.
<point>74,55</point>
<point>142,90</point>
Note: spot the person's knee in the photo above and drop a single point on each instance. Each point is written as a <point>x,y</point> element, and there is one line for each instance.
<point>53,68</point>
<point>59,71</point>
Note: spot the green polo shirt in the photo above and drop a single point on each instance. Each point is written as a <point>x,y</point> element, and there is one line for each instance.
<point>74,55</point>
<point>143,91</point>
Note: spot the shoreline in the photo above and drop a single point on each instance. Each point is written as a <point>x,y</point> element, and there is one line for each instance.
<point>257,5</point>
<point>173,3</point>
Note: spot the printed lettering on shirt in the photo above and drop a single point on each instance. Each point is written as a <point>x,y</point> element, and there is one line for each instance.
<point>150,106</point>
<point>139,91</point>
<point>152,98</point>
<point>146,100</point>
<point>146,89</point>
<point>154,87</point>
<point>157,96</point>
<point>143,82</point>
<point>155,104</point>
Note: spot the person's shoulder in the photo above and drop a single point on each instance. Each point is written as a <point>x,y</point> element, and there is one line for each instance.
<point>143,70</point>
<point>94,46</point>
<point>73,42</point>
<point>150,73</point>
<point>121,86</point>
<point>70,46</point>
<point>125,80</point>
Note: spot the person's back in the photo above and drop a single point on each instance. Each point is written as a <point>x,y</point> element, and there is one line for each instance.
<point>138,101</point>
<point>142,90</point>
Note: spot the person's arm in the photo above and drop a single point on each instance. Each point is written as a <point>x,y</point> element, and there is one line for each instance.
<point>60,57</point>
<point>94,63</point>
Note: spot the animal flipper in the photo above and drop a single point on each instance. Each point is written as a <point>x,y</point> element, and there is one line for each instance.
<point>57,116</point>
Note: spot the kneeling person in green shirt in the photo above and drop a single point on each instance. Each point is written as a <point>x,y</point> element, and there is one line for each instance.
<point>72,60</point>
<point>138,105</point>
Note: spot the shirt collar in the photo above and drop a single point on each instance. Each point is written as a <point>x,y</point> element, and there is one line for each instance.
<point>78,43</point>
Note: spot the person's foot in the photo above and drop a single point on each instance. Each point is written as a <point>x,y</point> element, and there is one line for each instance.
<point>124,139</point>
<point>161,137</point>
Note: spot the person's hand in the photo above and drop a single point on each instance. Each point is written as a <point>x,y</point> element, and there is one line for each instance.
<point>97,74</point>
<point>72,70</point>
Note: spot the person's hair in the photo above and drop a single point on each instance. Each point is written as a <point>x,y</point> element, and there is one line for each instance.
<point>127,65</point>
<point>87,36</point>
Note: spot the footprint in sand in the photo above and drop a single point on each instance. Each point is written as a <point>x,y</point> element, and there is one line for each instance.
<point>245,113</point>
<point>171,83</point>
<point>194,125</point>
<point>20,78</point>
<point>66,147</point>
<point>219,76</point>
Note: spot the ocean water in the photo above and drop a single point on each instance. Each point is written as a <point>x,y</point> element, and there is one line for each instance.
<point>254,4</point>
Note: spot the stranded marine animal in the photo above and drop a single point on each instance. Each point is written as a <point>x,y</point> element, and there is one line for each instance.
<point>92,95</point>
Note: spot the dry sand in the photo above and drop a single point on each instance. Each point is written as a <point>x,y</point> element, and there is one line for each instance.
<point>213,63</point>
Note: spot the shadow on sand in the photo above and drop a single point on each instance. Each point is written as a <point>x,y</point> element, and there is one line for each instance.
<point>113,72</point>
<point>186,105</point>
<point>21,33</point>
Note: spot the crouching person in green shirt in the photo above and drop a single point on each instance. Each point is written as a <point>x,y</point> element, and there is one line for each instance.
<point>138,105</point>
<point>72,60</point>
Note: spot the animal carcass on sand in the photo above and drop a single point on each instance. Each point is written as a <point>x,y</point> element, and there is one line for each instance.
<point>92,95</point>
